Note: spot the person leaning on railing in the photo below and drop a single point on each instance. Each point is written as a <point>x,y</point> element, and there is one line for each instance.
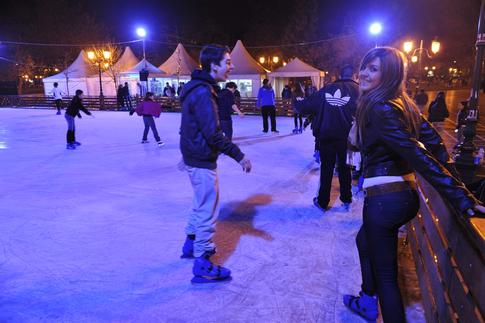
<point>395,141</point>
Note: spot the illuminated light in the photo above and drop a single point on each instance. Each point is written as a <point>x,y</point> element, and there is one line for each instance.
<point>434,67</point>
<point>435,259</point>
<point>276,59</point>
<point>426,68</point>
<point>106,54</point>
<point>262,60</point>
<point>56,70</point>
<point>91,55</point>
<point>26,76</point>
<point>106,65</point>
<point>284,63</point>
<point>407,46</point>
<point>450,70</point>
<point>375,28</point>
<point>141,32</point>
<point>455,70</point>
<point>414,59</point>
<point>435,46</point>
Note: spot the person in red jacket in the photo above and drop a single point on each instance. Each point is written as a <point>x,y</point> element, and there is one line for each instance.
<point>148,109</point>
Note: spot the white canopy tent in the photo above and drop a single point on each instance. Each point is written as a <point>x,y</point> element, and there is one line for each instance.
<point>179,63</point>
<point>294,69</point>
<point>127,61</point>
<point>74,77</point>
<point>179,66</point>
<point>247,73</point>
<point>132,76</point>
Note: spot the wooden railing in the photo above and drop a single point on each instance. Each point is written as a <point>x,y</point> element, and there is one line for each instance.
<point>449,254</point>
<point>247,105</point>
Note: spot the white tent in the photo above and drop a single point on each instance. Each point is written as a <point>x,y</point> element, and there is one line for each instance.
<point>126,61</point>
<point>132,76</point>
<point>73,77</point>
<point>247,73</point>
<point>179,63</point>
<point>295,68</point>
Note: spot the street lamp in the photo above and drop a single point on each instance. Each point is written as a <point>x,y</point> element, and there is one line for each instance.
<point>408,47</point>
<point>142,33</point>
<point>101,58</point>
<point>375,29</point>
<point>269,61</point>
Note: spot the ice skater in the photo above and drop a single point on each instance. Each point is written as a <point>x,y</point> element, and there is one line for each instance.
<point>395,141</point>
<point>148,109</point>
<point>201,141</point>
<point>297,95</point>
<point>334,108</point>
<point>57,95</point>
<point>266,102</point>
<point>72,111</point>
<point>227,105</point>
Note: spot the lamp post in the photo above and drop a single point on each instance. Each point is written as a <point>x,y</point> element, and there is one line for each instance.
<point>269,61</point>
<point>465,155</point>
<point>102,58</point>
<point>375,29</point>
<point>408,47</point>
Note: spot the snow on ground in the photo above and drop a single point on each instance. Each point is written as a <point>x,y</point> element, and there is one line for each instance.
<point>95,234</point>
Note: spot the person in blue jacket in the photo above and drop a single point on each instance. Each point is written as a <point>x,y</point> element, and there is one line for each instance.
<point>266,102</point>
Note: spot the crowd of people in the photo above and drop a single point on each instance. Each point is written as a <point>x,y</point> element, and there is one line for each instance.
<point>376,116</point>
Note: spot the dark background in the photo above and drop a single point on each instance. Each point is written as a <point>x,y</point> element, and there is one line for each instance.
<point>257,23</point>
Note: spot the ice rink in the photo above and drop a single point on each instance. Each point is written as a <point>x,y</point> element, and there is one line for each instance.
<point>95,234</point>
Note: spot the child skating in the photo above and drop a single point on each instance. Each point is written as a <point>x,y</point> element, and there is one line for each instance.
<point>72,111</point>
<point>149,109</point>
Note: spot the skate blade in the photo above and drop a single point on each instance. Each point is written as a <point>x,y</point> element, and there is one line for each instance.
<point>204,280</point>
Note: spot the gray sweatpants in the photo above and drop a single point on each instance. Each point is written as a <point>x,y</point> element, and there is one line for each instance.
<point>205,210</point>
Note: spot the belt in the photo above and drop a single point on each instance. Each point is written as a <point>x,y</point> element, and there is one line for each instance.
<point>390,188</point>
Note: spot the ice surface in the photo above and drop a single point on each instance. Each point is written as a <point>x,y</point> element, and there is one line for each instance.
<point>95,234</point>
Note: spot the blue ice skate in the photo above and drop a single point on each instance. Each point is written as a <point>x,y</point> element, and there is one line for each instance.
<point>321,208</point>
<point>188,248</point>
<point>70,146</point>
<point>364,305</point>
<point>316,155</point>
<point>206,272</point>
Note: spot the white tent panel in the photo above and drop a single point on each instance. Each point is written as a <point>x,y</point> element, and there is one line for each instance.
<point>179,63</point>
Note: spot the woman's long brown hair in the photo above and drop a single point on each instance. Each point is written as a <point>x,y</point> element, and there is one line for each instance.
<point>391,88</point>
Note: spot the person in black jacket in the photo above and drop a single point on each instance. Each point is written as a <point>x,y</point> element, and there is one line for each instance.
<point>201,141</point>
<point>395,142</point>
<point>72,111</point>
<point>438,111</point>
<point>334,108</point>
<point>227,105</point>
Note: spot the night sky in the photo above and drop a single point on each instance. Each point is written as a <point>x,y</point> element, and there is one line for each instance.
<point>257,23</point>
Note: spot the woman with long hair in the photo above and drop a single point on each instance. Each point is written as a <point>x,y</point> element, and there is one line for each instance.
<point>395,142</point>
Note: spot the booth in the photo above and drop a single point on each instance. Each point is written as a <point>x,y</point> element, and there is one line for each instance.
<point>248,73</point>
<point>294,70</point>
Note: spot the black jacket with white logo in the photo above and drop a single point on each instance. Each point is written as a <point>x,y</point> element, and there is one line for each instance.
<point>333,107</point>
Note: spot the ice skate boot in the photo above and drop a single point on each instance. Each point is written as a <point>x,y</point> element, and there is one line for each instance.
<point>206,272</point>
<point>58,112</point>
<point>70,146</point>
<point>295,131</point>
<point>318,206</point>
<point>300,130</point>
<point>160,143</point>
<point>364,305</point>
<point>188,248</point>
<point>144,141</point>
<point>77,143</point>
<point>346,207</point>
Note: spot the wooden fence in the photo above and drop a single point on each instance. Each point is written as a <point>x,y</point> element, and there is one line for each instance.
<point>247,105</point>
<point>449,254</point>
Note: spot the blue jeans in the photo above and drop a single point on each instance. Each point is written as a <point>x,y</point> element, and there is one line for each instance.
<point>377,243</point>
<point>150,124</point>
<point>71,129</point>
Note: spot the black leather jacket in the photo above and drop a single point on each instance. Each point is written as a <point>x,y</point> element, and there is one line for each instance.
<point>389,149</point>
